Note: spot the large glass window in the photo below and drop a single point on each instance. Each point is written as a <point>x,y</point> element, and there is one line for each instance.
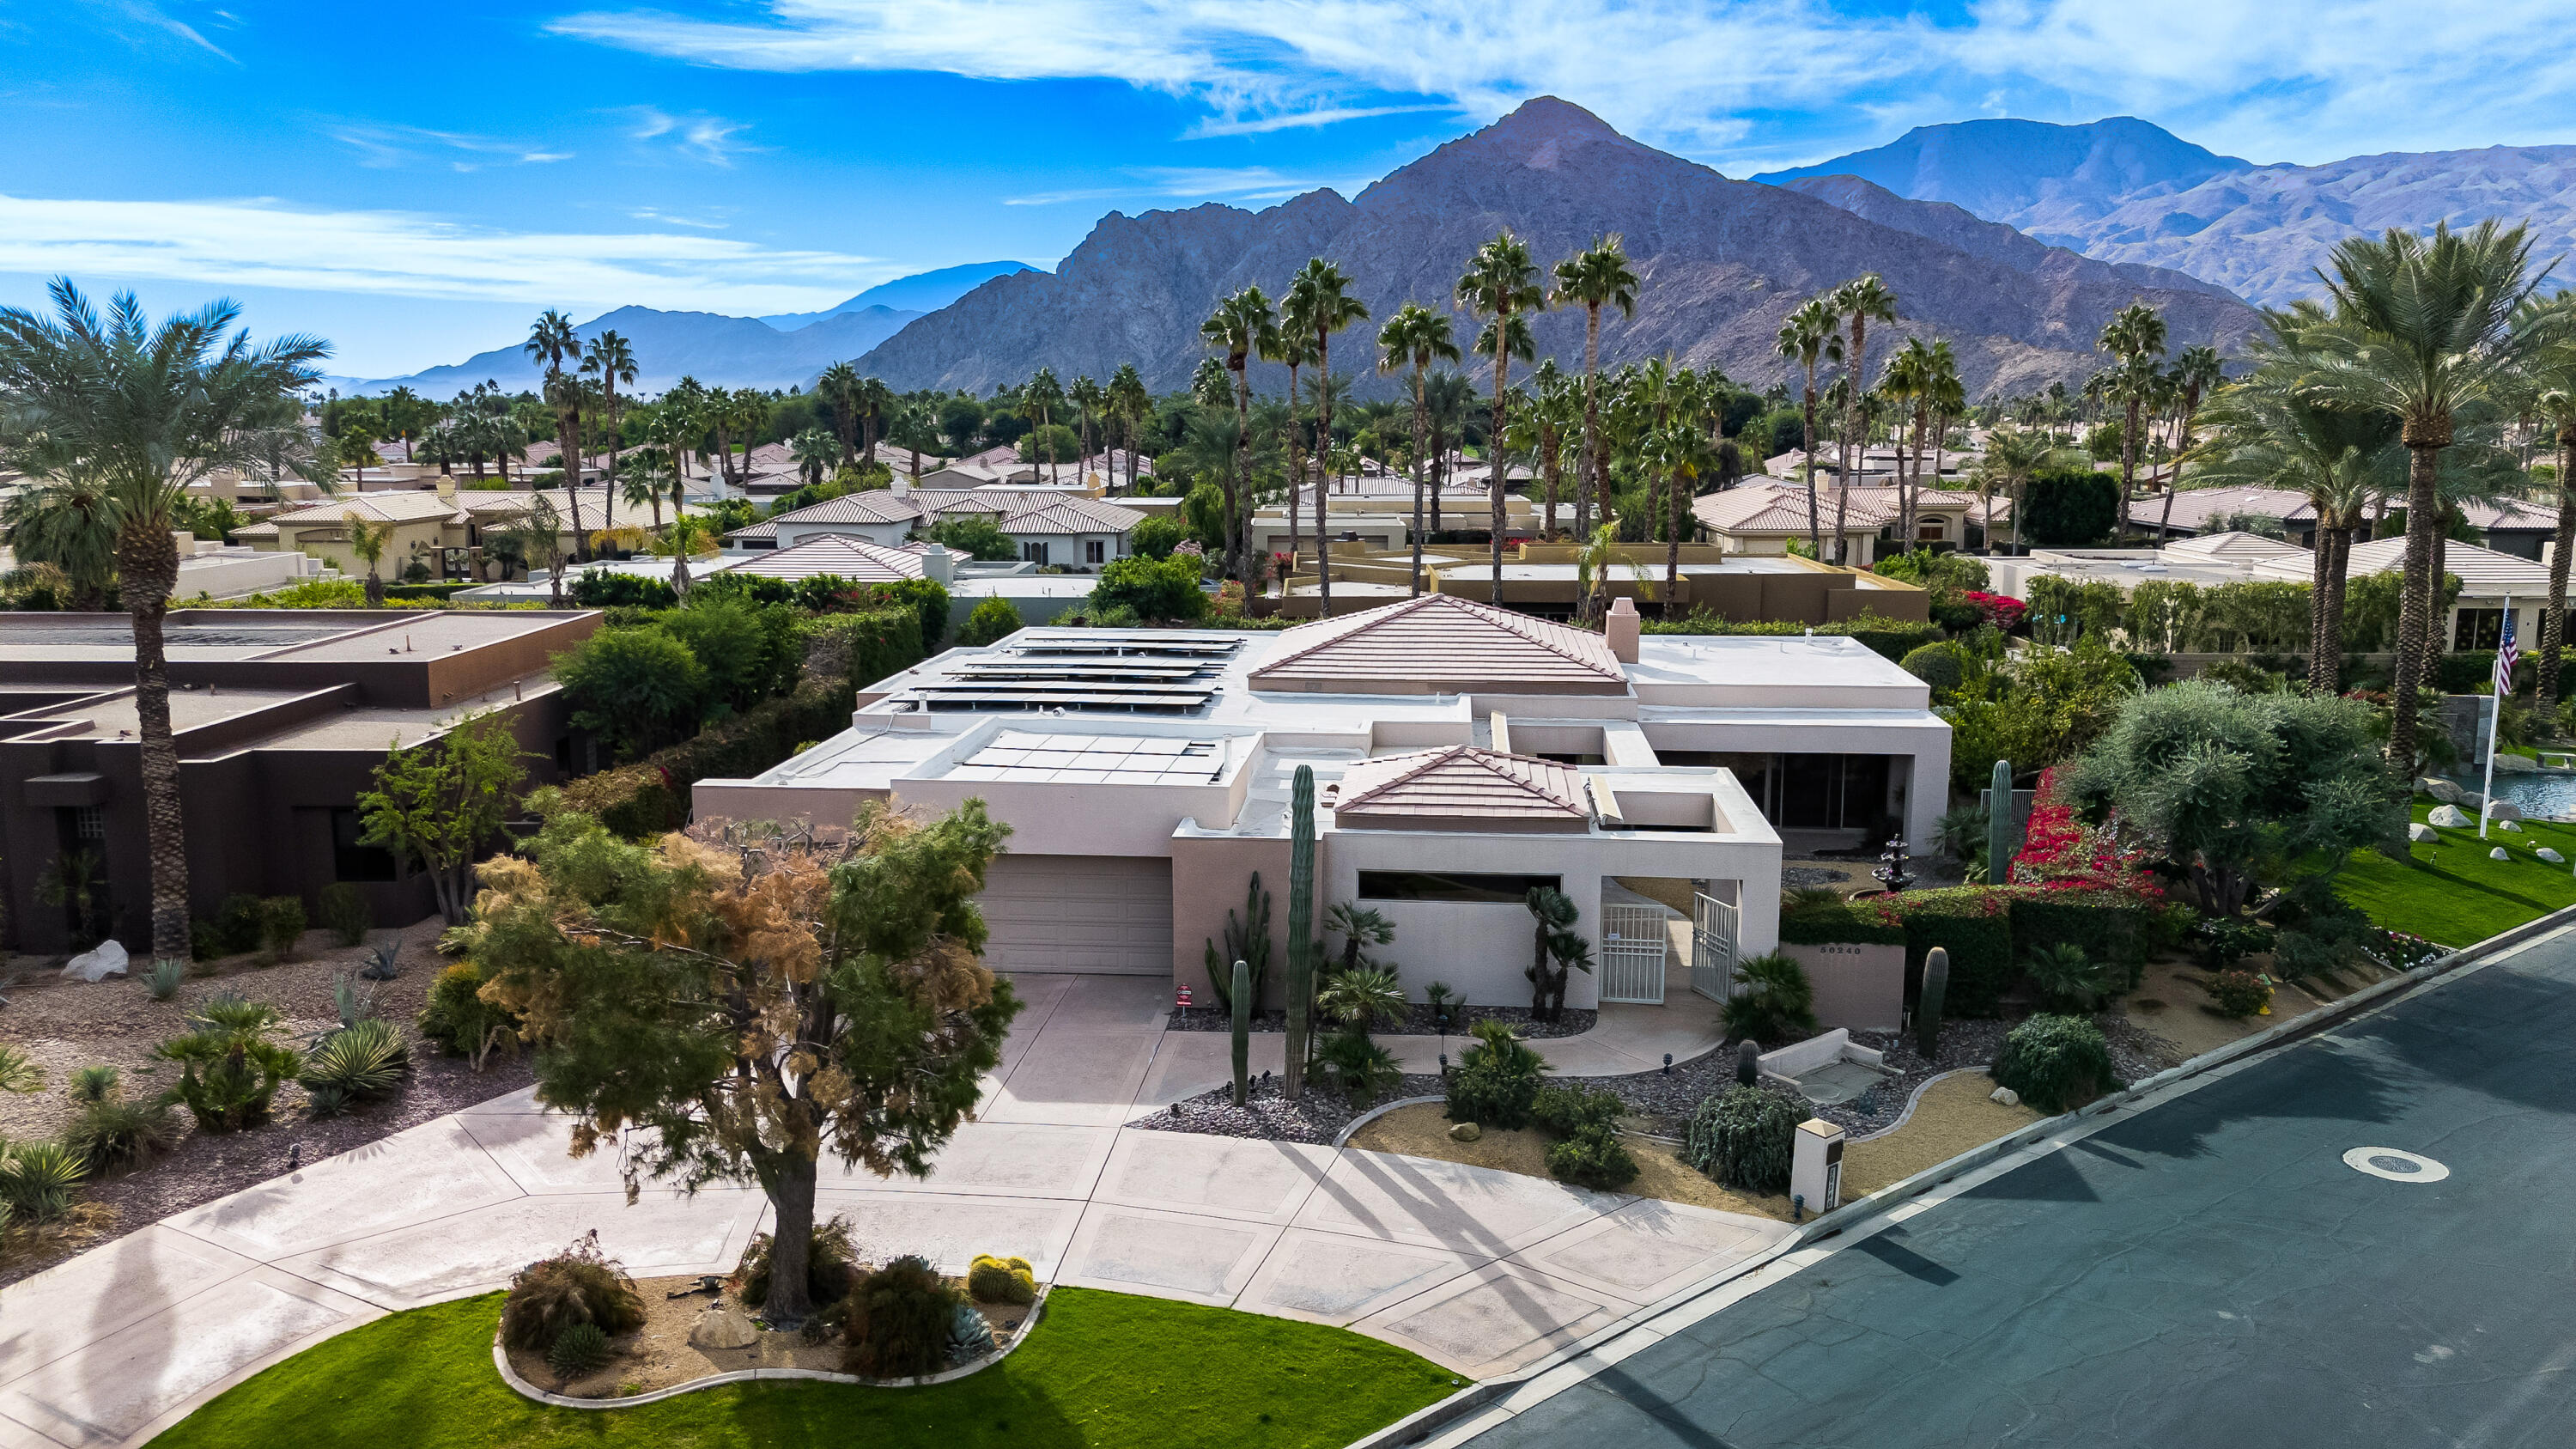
<point>1471,887</point>
<point>351,860</point>
<point>2479,629</point>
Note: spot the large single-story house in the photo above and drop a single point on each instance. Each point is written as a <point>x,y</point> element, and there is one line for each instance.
<point>1048,525</point>
<point>1461,755</point>
<point>1764,517</point>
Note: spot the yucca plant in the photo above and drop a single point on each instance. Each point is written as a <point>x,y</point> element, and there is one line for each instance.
<point>355,1003</point>
<point>1360,1067</point>
<point>227,1080</point>
<point>37,1179</point>
<point>114,1132</point>
<point>229,1013</point>
<point>19,1072</point>
<point>94,1084</point>
<point>365,1059</point>
<point>164,978</point>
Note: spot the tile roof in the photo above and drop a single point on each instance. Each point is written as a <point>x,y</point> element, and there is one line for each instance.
<point>390,506</point>
<point>1756,507</point>
<point>1441,644</point>
<point>1047,511</point>
<point>2201,508</point>
<point>2232,546</point>
<point>1461,788</point>
<point>2483,571</point>
<point>854,559</point>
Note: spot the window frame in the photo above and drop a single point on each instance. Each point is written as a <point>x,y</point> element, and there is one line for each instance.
<point>1407,886</point>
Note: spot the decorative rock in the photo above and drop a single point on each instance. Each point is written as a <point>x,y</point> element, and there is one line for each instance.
<point>2005,1095</point>
<point>2553,857</point>
<point>2515,764</point>
<point>1465,1132</point>
<point>2442,790</point>
<point>2498,854</point>
<point>2423,834</point>
<point>2503,810</point>
<point>2508,825</point>
<point>92,965</point>
<point>2449,816</point>
<point>723,1326</point>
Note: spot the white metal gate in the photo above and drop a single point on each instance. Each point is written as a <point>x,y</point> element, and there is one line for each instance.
<point>1713,925</point>
<point>1633,948</point>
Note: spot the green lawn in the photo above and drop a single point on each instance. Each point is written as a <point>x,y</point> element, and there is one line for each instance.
<point>2452,893</point>
<point>1103,1369</point>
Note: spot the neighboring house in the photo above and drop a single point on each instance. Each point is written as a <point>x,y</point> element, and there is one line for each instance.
<point>837,556</point>
<point>211,571</point>
<point>1462,754</point>
<point>281,718</point>
<point>1763,517</point>
<point>2513,526</point>
<point>445,529</point>
<point>1046,525</point>
<point>1545,580</point>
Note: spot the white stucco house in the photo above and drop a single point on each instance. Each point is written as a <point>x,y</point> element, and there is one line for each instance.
<point>1047,525</point>
<point>1461,755</point>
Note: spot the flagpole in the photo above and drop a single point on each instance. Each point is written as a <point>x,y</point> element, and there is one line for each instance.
<point>2496,686</point>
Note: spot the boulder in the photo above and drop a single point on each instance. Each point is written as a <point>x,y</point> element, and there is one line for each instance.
<point>2442,790</point>
<point>2423,834</point>
<point>2553,857</point>
<point>2503,810</point>
<point>2498,854</point>
<point>108,959</point>
<point>723,1326</point>
<point>2005,1095</point>
<point>2508,825</point>
<point>1465,1132</point>
<point>2447,816</point>
<point>2515,764</point>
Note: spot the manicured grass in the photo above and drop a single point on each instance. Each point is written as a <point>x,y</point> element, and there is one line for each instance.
<point>1103,1369</point>
<point>2452,893</point>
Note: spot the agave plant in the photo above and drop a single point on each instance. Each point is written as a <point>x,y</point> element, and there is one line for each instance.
<point>969,1337</point>
<point>19,1072</point>
<point>37,1179</point>
<point>165,976</point>
<point>365,1059</point>
<point>227,1079</point>
<point>355,1003</point>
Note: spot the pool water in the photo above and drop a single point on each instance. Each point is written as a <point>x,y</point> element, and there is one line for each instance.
<point>2539,796</point>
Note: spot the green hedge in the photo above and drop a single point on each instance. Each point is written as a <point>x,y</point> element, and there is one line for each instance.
<point>1986,932</point>
<point>1894,638</point>
<point>1976,929</point>
<point>2108,927</point>
<point>427,591</point>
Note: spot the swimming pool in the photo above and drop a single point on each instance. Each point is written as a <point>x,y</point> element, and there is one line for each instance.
<point>2542,797</point>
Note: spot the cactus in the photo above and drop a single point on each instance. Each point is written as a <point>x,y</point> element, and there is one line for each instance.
<point>1927,1014</point>
<point>1242,999</point>
<point>1247,939</point>
<point>1999,831</point>
<point>1301,927</point>
<point>1748,1061</point>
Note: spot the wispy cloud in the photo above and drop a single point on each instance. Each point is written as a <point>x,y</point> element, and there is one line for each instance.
<point>1236,183</point>
<point>1260,125</point>
<point>2293,79</point>
<point>264,243</point>
<point>699,136</point>
<point>383,147</point>
<point>153,17</point>
<point>667,219</point>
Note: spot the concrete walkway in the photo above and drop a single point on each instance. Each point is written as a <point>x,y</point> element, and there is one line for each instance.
<point>1481,1271</point>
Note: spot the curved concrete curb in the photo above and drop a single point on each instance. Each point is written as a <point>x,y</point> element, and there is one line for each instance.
<point>510,1376</point>
<point>1916,1097</point>
<point>1373,1113</point>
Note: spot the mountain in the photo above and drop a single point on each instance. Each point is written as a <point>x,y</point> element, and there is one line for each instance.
<point>2124,191</point>
<point>1722,263</point>
<point>1992,240</point>
<point>920,292</point>
<point>717,350</point>
<point>2029,174</point>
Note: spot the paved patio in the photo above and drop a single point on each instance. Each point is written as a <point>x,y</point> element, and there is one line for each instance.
<point>1481,1271</point>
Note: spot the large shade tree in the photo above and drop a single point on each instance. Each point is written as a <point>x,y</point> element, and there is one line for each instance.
<point>734,1006</point>
<point>139,413</point>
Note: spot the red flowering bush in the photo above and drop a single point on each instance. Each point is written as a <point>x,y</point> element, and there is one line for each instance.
<point>2001,610</point>
<point>2060,852</point>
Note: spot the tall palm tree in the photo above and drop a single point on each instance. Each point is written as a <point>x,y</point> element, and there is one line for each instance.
<point>875,401</point>
<point>2134,337</point>
<point>1939,397</point>
<point>838,387</point>
<point>2423,328</point>
<point>1416,337</point>
<point>2012,458</point>
<point>1598,276</point>
<point>2550,380</point>
<point>613,358</point>
<point>1501,283</point>
<point>1862,300</point>
<point>2196,371</point>
<point>1810,335</point>
<point>1319,304</point>
<point>553,342</point>
<point>1043,397</point>
<point>1551,409</point>
<point>1682,453</point>
<point>1086,396</point>
<point>1291,348</point>
<point>748,409</point>
<point>813,451</point>
<point>70,524</point>
<point>1242,327</point>
<point>1132,402</point>
<point>406,414</point>
<point>142,412</point>
<point>1449,396</point>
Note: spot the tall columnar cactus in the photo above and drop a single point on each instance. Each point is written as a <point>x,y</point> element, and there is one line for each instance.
<point>1927,1013</point>
<point>1301,926</point>
<point>1242,999</point>
<point>1999,831</point>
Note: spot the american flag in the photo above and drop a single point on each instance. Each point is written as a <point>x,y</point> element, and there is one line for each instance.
<point>2505,656</point>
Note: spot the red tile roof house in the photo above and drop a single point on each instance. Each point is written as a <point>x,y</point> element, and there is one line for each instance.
<point>1461,754</point>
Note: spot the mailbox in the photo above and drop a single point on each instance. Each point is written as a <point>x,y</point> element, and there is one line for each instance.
<point>1816,1165</point>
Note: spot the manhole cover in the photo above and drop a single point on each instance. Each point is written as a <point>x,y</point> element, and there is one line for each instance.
<point>2394,1165</point>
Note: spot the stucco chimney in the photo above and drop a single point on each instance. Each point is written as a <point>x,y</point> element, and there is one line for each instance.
<point>936,563</point>
<point>1621,630</point>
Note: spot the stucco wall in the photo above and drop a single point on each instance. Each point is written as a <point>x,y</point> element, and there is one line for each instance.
<point>1209,878</point>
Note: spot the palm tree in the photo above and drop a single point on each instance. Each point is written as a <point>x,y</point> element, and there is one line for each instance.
<point>1043,396</point>
<point>405,412</point>
<point>1809,336</point>
<point>553,342</point>
<point>1242,327</point>
<point>2196,371</point>
<point>1291,348</point>
<point>367,540</point>
<point>614,360</point>
<point>1501,283</point>
<point>357,447</point>
<point>2013,457</point>
<point>838,387</point>
<point>1087,397</point>
<point>814,450</point>
<point>536,536</point>
<point>1415,337</point>
<point>875,401</point>
<point>748,409</point>
<point>2134,337</point>
<point>1597,277</point>
<point>1551,409</point>
<point>1862,300</point>
<point>2551,381</point>
<point>70,525</point>
<point>141,413</point>
<point>1319,303</point>
<point>1682,453</point>
<point>2423,328</point>
<point>1936,394</point>
<point>1132,402</point>
<point>643,484</point>
<point>685,532</point>
<point>1450,395</point>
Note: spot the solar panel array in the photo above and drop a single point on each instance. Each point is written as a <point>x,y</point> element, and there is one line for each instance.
<point>1088,670</point>
<point>1031,757</point>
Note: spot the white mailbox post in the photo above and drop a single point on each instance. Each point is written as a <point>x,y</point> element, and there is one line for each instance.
<point>1816,1166</point>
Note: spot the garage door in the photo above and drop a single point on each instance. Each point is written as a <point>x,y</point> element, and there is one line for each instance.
<point>1108,915</point>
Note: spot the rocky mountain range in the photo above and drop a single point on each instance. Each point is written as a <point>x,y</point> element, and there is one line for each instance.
<point>1722,262</point>
<point>2125,191</point>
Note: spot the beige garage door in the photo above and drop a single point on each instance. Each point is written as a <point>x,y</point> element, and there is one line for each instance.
<point>1109,915</point>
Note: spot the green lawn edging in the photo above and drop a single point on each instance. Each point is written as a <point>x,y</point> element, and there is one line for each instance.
<point>2451,893</point>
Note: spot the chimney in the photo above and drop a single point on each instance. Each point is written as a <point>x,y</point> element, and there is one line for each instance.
<point>936,563</point>
<point>1621,629</point>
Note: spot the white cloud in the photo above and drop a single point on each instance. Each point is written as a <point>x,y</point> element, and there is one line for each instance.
<point>1239,183</point>
<point>264,243</point>
<point>2307,80</point>
<point>382,146</point>
<point>1261,125</point>
<point>154,17</point>
<point>700,136</point>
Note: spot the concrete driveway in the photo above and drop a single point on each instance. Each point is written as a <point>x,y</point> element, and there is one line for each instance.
<point>1481,1271</point>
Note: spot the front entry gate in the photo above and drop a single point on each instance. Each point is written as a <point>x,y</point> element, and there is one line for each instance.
<point>1633,949</point>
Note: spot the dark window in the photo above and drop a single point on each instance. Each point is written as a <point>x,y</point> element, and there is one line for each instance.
<point>1095,551</point>
<point>89,825</point>
<point>351,860</point>
<point>2479,629</point>
<point>1423,885</point>
<point>1032,551</point>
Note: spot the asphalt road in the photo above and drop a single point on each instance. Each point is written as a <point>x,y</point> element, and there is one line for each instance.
<point>2209,1272</point>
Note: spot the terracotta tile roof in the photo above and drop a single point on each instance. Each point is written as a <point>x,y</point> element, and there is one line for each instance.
<point>389,506</point>
<point>1461,788</point>
<point>854,559</point>
<point>1782,507</point>
<point>1441,644</point>
<point>1050,512</point>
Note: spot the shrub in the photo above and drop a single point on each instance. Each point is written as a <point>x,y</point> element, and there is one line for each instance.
<point>1358,1066</point>
<point>749,651</point>
<point>2226,940</point>
<point>1496,1081</point>
<point>2069,980</point>
<point>2056,1063</point>
<point>1936,665</point>
<point>831,1265</point>
<point>577,1285</point>
<point>38,1179</point>
<point>1165,589</point>
<point>458,1018</point>
<point>993,619</point>
<point>638,689</point>
<point>1777,1003</point>
<point>580,1349</point>
<point>1156,536</point>
<point>1568,1111</point>
<point>1743,1138</point>
<point>234,929</point>
<point>112,1132</point>
<point>164,978</point>
<point>969,1336</point>
<point>603,589</point>
<point>899,1317</point>
<point>281,926</point>
<point>1002,1280</point>
<point>364,1059</point>
<point>229,1069</point>
<point>346,914</point>
<point>2240,993</point>
<point>2069,508</point>
<point>1592,1158</point>
<point>94,1083</point>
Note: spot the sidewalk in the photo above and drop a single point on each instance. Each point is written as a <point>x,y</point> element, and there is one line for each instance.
<point>1481,1271</point>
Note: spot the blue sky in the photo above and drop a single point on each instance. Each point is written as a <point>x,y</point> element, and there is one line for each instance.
<point>415,180</point>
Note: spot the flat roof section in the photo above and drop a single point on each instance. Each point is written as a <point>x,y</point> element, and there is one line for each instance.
<point>1035,758</point>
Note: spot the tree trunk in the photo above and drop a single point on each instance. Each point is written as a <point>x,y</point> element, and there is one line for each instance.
<point>2321,563</point>
<point>2128,471</point>
<point>1324,448</point>
<point>2437,639</point>
<point>1494,447</point>
<point>2413,623</point>
<point>2553,624</point>
<point>1238,485</point>
<point>1807,467</point>
<point>1681,496</point>
<point>1296,481</point>
<point>147,565</point>
<point>608,494</point>
<point>789,1181</point>
<point>2329,645</point>
<point>1421,465</point>
<point>1595,457</point>
<point>375,587</point>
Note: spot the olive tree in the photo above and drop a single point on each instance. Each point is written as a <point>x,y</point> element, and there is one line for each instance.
<point>730,1004</point>
<point>439,803</point>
